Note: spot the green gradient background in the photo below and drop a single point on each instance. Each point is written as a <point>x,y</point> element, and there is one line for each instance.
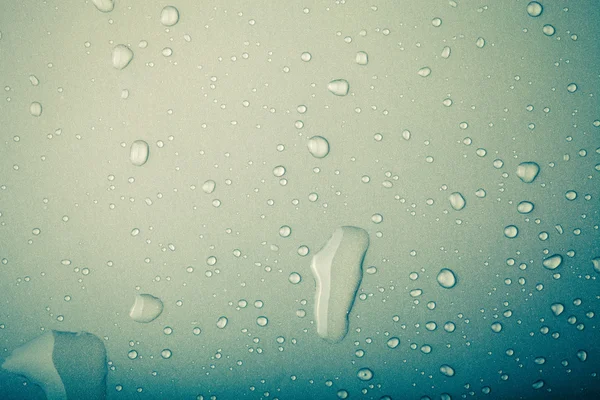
<point>68,175</point>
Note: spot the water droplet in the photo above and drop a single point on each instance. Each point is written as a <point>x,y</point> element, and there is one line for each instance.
<point>446,52</point>
<point>222,322</point>
<point>511,231</point>
<point>553,261</point>
<point>306,56</point>
<point>572,87</point>
<point>571,195</point>
<point>446,278</point>
<point>279,171</point>
<point>596,264</point>
<point>169,16</point>
<point>548,30</point>
<point>138,154</point>
<point>480,42</point>
<point>146,308</point>
<point>557,309</point>
<point>262,321</point>
<point>457,201</point>
<point>166,354</point>
<point>132,354</point>
<point>209,186</point>
<point>364,374</point>
<point>437,22</point>
<point>121,56</point>
<point>104,5</point>
<point>35,109</point>
<point>525,207</point>
<point>447,370</point>
<point>393,342</point>
<point>424,72</point>
<point>534,9</point>
<point>34,80</point>
<point>339,87</point>
<point>362,58</point>
<point>582,355</point>
<point>528,171</point>
<point>295,278</point>
<point>318,146</point>
<point>337,269</point>
<point>496,327</point>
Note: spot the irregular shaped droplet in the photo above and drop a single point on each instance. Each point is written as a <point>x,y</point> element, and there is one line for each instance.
<point>446,278</point>
<point>34,80</point>
<point>447,370</point>
<point>138,153</point>
<point>497,327</point>
<point>104,5</point>
<point>553,261</point>
<point>146,308</point>
<point>534,9</point>
<point>337,269</point>
<point>525,207</point>
<point>557,309</point>
<point>446,52</point>
<point>209,186</point>
<point>364,374</point>
<point>35,109</point>
<point>318,146</point>
<point>57,361</point>
<point>596,264</point>
<point>169,16</point>
<point>582,355</point>
<point>362,58</point>
<point>424,72</point>
<point>306,56</point>
<point>339,87</point>
<point>528,171</point>
<point>121,56</point>
<point>457,201</point>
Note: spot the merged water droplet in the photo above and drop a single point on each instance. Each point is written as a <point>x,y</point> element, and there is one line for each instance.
<point>557,309</point>
<point>447,370</point>
<point>146,308</point>
<point>121,56</point>
<point>528,171</point>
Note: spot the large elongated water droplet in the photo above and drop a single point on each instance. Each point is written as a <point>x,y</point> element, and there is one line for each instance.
<point>146,308</point>
<point>104,5</point>
<point>121,56</point>
<point>337,269</point>
<point>138,154</point>
<point>339,87</point>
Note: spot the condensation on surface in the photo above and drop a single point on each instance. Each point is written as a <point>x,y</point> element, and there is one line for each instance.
<point>170,171</point>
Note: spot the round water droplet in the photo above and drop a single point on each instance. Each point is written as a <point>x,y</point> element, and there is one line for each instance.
<point>362,58</point>
<point>552,262</point>
<point>596,264</point>
<point>306,56</point>
<point>169,16</point>
<point>437,22</point>
<point>318,146</point>
<point>525,207</point>
<point>166,354</point>
<point>496,327</point>
<point>295,278</point>
<point>364,374</point>
<point>121,56</point>
<point>480,42</point>
<point>457,201</point>
<point>511,231</point>
<point>132,354</point>
<point>138,154</point>
<point>339,87</point>
<point>534,9</point>
<point>279,171</point>
<point>262,321</point>
<point>446,278</point>
<point>572,87</point>
<point>548,30</point>
<point>424,72</point>
<point>285,231</point>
